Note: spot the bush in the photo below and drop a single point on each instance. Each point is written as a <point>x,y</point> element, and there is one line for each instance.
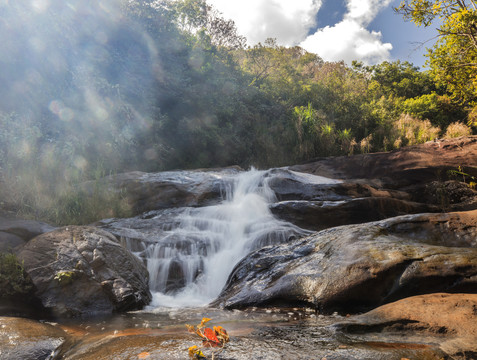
<point>457,129</point>
<point>14,281</point>
<point>414,131</point>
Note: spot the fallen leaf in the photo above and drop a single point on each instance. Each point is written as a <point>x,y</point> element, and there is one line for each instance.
<point>221,334</point>
<point>143,355</point>
<point>210,335</point>
<point>202,323</point>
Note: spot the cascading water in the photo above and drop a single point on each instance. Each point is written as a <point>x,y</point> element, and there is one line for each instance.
<point>190,262</point>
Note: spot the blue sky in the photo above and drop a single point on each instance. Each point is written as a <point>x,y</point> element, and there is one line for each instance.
<point>365,30</point>
<point>409,41</point>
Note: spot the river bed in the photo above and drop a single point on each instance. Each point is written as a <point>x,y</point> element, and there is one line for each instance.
<point>254,334</point>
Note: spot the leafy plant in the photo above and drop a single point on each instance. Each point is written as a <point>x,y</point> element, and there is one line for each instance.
<point>13,278</point>
<point>65,277</point>
<point>465,177</point>
<point>213,339</point>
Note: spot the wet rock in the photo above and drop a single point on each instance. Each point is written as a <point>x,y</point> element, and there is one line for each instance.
<point>28,339</point>
<point>84,271</point>
<point>292,185</point>
<point>168,189</point>
<point>319,215</point>
<point>450,319</point>
<point>357,267</point>
<point>253,335</point>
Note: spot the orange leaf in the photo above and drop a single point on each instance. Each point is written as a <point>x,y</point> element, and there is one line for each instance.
<point>210,334</point>
<point>143,355</point>
<point>202,323</point>
<point>221,334</point>
<point>190,328</point>
<point>211,337</point>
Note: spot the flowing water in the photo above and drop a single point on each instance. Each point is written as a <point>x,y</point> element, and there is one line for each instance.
<point>191,259</point>
<point>189,253</point>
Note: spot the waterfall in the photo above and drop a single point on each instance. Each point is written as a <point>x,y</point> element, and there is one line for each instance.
<point>190,262</point>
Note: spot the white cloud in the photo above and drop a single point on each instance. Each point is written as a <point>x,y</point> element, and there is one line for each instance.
<point>288,21</point>
<point>350,39</point>
<point>364,11</point>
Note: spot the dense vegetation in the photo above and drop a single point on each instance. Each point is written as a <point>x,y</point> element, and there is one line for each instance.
<point>90,88</point>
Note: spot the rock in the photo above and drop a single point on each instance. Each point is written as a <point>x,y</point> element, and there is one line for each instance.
<point>406,166</point>
<point>15,232</point>
<point>358,267</point>
<point>450,318</point>
<point>28,339</point>
<point>411,170</point>
<point>264,335</point>
<point>316,203</point>
<point>451,194</point>
<point>292,185</point>
<point>169,189</point>
<point>84,271</point>
<point>319,215</point>
<point>8,242</point>
<point>17,290</point>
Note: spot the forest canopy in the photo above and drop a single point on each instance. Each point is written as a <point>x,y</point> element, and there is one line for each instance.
<point>93,88</point>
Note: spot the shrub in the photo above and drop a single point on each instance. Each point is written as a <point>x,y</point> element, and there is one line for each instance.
<point>14,281</point>
<point>414,131</point>
<point>457,129</point>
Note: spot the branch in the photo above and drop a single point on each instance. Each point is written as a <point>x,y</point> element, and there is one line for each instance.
<point>464,65</point>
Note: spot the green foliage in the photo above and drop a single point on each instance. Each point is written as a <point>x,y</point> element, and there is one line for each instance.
<point>13,279</point>
<point>461,174</point>
<point>65,277</point>
<point>156,85</point>
<point>439,109</point>
<point>453,59</point>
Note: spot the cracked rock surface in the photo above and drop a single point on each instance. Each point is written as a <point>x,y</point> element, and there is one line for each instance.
<point>84,271</point>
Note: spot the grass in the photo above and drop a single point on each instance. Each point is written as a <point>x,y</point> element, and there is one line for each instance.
<point>59,199</point>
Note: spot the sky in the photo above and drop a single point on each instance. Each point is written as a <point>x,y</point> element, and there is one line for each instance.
<point>364,30</point>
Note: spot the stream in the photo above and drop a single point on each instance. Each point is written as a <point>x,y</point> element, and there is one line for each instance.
<point>189,253</point>
<point>189,257</point>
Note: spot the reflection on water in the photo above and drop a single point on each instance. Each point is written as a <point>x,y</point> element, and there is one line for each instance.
<point>266,334</point>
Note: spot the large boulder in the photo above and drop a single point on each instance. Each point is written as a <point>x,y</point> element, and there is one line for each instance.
<point>29,339</point>
<point>358,267</point>
<point>449,319</point>
<point>84,271</point>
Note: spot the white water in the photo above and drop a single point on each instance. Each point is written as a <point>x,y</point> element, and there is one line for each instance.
<point>210,241</point>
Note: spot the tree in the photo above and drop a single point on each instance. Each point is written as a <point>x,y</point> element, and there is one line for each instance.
<point>453,59</point>
<point>196,16</point>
